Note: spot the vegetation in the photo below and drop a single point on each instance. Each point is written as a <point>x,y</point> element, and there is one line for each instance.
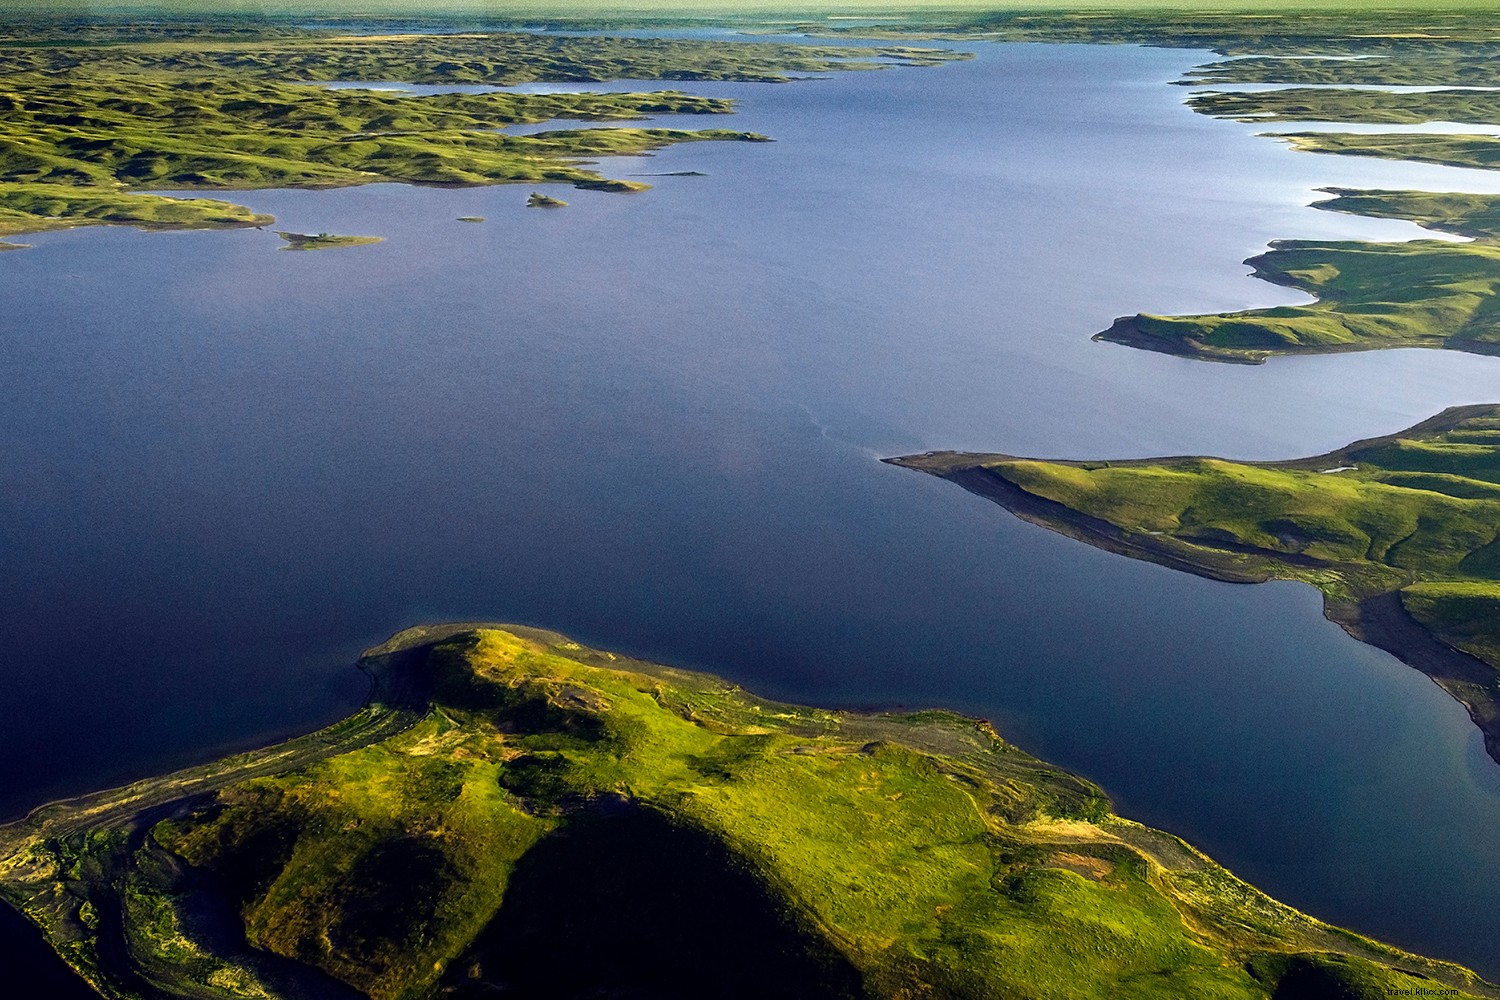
<point>1476,216</point>
<point>487,57</point>
<point>85,125</point>
<point>549,795</point>
<point>1424,293</point>
<point>1479,151</point>
<point>1411,62</point>
<point>1292,30</point>
<point>1397,532</point>
<point>324,241</point>
<point>1307,104</point>
<point>539,200</point>
<point>33,208</point>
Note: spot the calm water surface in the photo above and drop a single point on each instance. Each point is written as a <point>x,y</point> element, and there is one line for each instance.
<point>653,422</point>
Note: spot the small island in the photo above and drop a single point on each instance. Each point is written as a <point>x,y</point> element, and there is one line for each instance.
<point>471,218</point>
<point>1401,533</point>
<point>325,241</point>
<point>539,200</point>
<point>516,813</point>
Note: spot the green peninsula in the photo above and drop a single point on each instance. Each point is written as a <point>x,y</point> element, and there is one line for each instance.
<point>1379,107</point>
<point>33,208</point>
<point>1413,61</point>
<point>1475,151</point>
<point>1400,533</point>
<point>1300,37</point>
<point>515,812</point>
<point>1476,216</point>
<point>1424,293</point>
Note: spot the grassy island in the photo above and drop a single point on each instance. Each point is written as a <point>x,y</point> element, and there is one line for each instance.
<point>539,200</point>
<point>1400,533</point>
<point>325,241</point>
<point>1425,293</point>
<point>517,812</point>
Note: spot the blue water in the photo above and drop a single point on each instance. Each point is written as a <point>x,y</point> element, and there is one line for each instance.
<point>653,422</point>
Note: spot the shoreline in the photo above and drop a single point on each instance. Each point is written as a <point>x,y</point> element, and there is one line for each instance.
<point>397,699</point>
<point>1126,331</point>
<point>1056,821</point>
<point>1374,616</point>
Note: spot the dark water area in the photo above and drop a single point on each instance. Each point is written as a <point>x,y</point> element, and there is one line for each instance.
<point>31,965</point>
<point>653,422</point>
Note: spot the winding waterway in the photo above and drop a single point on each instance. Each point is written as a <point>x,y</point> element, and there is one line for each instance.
<point>653,422</point>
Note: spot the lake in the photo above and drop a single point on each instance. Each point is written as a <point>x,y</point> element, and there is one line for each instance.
<point>653,422</point>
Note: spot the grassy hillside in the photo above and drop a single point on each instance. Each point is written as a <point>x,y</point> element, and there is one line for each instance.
<point>1402,534</point>
<point>1306,104</point>
<point>1476,151</point>
<point>1267,34</point>
<point>86,119</point>
<point>1473,215</point>
<point>1423,293</point>
<point>564,822</point>
<point>1409,63</point>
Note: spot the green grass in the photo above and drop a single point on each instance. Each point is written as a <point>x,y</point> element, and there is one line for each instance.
<point>1422,293</point>
<point>1373,525</point>
<point>1386,36</point>
<point>172,134</point>
<point>1307,104</point>
<point>423,810</point>
<point>31,208</point>
<point>1476,151</point>
<point>923,852</point>
<point>1474,215</point>
<point>479,56</point>
<point>1406,63</point>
